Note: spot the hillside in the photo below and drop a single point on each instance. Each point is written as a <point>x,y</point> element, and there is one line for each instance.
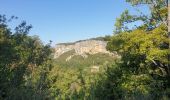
<point>83,48</point>
<point>79,61</point>
<point>84,53</point>
<point>77,65</point>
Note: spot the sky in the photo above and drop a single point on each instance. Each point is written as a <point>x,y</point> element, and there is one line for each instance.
<point>67,20</point>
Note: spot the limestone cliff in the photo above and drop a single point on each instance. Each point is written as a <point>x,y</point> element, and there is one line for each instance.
<point>82,48</point>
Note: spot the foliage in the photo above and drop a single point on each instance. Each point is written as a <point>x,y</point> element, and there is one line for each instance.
<point>158,15</point>
<point>21,55</point>
<point>78,61</point>
<point>73,79</point>
<point>143,72</point>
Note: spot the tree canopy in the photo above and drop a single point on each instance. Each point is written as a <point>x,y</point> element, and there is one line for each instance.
<point>29,72</point>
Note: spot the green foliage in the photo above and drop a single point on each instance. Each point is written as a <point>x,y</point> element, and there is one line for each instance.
<point>73,79</point>
<point>20,56</point>
<point>78,61</point>
<point>158,10</point>
<point>143,72</point>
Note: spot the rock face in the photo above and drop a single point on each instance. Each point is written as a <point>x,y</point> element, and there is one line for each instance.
<point>82,48</point>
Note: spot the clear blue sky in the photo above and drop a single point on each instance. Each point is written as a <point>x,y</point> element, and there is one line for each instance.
<point>67,20</point>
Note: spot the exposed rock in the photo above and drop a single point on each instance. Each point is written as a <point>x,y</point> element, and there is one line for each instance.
<point>95,69</point>
<point>68,58</point>
<point>82,48</point>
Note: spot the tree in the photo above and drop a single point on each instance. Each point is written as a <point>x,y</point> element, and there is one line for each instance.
<point>144,53</point>
<point>21,56</point>
<point>158,16</point>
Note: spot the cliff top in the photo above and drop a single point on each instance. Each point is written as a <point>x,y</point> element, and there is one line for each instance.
<point>72,43</point>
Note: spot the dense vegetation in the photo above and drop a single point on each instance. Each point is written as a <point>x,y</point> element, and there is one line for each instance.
<point>78,61</point>
<point>28,72</point>
<point>143,71</point>
<point>24,63</point>
<point>73,79</point>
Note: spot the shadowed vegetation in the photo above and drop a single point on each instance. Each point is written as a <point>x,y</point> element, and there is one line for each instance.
<point>29,72</point>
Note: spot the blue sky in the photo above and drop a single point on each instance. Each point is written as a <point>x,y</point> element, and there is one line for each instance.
<point>67,20</point>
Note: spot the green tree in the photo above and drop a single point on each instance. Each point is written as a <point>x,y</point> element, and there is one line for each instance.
<point>21,56</point>
<point>143,71</point>
<point>158,15</point>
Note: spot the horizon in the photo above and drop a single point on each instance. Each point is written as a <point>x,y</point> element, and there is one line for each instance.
<point>67,21</point>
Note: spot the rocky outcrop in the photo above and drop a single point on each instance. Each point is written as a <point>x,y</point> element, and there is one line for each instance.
<point>82,48</point>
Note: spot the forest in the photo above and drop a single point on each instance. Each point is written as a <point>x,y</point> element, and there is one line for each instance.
<point>29,72</point>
